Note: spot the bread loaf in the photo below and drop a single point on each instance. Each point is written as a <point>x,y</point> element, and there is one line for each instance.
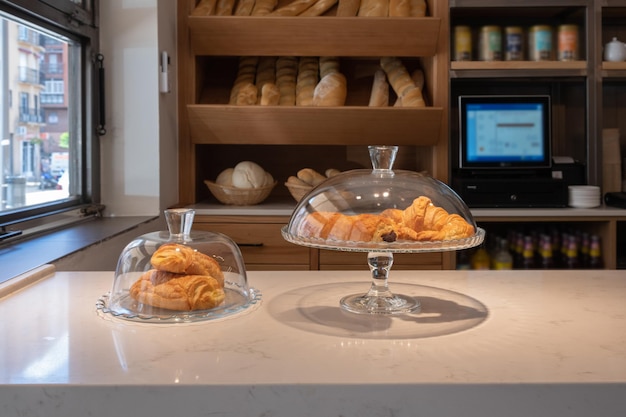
<point>418,8</point>
<point>244,7</point>
<point>421,221</point>
<point>399,8</point>
<point>331,90</point>
<point>248,174</point>
<point>224,7</point>
<point>348,8</point>
<point>311,177</point>
<point>379,97</point>
<point>374,8</point>
<point>286,75</point>
<point>204,8</point>
<point>308,70</point>
<point>263,7</point>
<point>225,177</point>
<point>294,8</point>
<point>246,95</point>
<point>328,64</point>
<point>319,8</point>
<point>409,95</point>
<point>270,95</point>
<point>246,73</point>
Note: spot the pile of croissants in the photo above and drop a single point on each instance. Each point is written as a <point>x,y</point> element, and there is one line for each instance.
<point>421,221</point>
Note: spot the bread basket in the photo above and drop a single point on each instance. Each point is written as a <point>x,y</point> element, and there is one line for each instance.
<point>298,191</point>
<point>239,196</point>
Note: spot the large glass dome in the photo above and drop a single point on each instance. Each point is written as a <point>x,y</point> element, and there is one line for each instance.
<point>382,211</point>
<point>417,212</point>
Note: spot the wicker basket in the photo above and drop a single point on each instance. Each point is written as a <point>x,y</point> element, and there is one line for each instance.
<point>239,196</point>
<point>298,191</point>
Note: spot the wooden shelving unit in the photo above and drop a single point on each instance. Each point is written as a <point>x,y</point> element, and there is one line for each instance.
<point>214,135</point>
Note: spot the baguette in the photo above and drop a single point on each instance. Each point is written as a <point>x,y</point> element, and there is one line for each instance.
<point>348,8</point>
<point>379,96</point>
<point>331,90</point>
<point>328,64</point>
<point>310,176</point>
<point>244,7</point>
<point>224,7</point>
<point>418,8</point>
<point>263,7</point>
<point>307,79</point>
<point>286,76</point>
<point>204,8</point>
<point>247,95</point>
<point>294,8</point>
<point>319,8</point>
<point>270,95</point>
<point>399,8</point>
<point>374,8</point>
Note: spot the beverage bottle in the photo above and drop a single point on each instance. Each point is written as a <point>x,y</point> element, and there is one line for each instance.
<point>546,258</point>
<point>595,253</point>
<point>571,254</point>
<point>480,259</point>
<point>502,258</point>
<point>528,253</point>
<point>585,243</point>
<point>463,260</point>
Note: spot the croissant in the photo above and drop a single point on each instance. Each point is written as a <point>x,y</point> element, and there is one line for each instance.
<point>177,292</point>
<point>421,221</point>
<point>181,259</point>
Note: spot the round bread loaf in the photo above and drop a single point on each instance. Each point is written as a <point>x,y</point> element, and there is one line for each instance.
<point>247,174</point>
<point>225,177</point>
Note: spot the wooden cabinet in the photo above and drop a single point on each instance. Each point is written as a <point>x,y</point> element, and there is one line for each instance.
<point>214,135</point>
<point>587,95</point>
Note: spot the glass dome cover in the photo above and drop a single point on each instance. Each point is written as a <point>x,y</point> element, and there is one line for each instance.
<point>179,275</point>
<point>382,190</point>
<point>381,211</point>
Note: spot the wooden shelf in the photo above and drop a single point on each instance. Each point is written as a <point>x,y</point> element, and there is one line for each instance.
<point>525,69</point>
<point>261,125</point>
<point>313,36</point>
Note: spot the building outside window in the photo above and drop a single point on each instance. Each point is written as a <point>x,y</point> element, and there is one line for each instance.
<point>48,108</point>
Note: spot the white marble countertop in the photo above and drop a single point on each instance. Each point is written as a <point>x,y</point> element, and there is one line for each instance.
<point>486,343</point>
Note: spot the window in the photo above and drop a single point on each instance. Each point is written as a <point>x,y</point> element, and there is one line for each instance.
<point>48,53</point>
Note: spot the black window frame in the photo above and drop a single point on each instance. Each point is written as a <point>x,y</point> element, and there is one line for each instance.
<point>80,23</point>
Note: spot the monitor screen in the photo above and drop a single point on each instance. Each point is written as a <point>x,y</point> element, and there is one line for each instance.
<point>503,132</point>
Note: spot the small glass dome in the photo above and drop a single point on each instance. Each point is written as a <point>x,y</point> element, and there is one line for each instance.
<point>179,276</point>
<point>382,209</point>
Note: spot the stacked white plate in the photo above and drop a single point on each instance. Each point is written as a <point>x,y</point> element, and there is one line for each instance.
<point>584,196</point>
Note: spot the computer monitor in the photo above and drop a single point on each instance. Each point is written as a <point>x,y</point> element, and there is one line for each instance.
<point>506,133</point>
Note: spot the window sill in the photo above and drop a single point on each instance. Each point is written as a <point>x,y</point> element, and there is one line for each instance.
<point>28,254</point>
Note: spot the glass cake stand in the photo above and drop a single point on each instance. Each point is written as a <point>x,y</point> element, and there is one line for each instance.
<point>372,191</point>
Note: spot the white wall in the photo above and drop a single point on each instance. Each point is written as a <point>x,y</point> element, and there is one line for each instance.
<point>139,167</point>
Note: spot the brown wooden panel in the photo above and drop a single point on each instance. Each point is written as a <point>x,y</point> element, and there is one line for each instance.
<point>211,124</point>
<point>261,244</point>
<point>313,36</point>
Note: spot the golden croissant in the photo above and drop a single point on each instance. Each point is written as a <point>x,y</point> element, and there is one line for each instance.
<point>176,291</point>
<point>181,279</point>
<point>421,221</point>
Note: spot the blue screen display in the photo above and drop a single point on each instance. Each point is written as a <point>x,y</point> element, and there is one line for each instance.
<point>502,132</point>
